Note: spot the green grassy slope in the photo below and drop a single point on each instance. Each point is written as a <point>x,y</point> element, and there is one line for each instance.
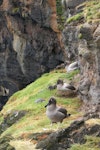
<point>35,119</point>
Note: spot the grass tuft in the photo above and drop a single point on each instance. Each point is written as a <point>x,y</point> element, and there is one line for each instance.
<point>91,144</point>
<point>90,13</point>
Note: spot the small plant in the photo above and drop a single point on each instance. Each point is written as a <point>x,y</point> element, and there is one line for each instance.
<point>60,15</point>
<point>80,36</point>
<point>16,10</point>
<point>75,18</point>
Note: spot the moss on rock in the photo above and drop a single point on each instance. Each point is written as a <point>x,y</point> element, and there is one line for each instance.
<point>4,143</point>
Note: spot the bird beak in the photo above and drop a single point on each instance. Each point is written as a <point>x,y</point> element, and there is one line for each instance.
<point>46,105</point>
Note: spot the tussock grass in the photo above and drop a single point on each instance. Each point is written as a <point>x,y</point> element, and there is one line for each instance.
<point>93,121</point>
<point>23,145</point>
<point>76,17</point>
<point>91,144</point>
<point>90,13</point>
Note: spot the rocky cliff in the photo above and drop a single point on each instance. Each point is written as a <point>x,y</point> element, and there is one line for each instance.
<point>81,38</point>
<point>29,42</point>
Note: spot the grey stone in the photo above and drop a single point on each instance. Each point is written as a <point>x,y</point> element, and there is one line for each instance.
<point>10,119</point>
<point>39,100</point>
<point>74,3</point>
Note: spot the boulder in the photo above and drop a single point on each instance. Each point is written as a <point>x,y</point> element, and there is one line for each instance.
<point>63,139</point>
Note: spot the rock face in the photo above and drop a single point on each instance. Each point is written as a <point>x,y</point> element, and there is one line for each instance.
<point>64,139</point>
<point>70,41</point>
<point>10,119</point>
<point>75,133</point>
<point>70,6</point>
<point>29,44</point>
<point>82,43</point>
<point>4,143</point>
<point>89,56</point>
<point>70,32</point>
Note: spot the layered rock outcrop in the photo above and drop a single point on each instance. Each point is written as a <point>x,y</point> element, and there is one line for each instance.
<point>29,43</point>
<point>89,57</point>
<point>64,139</point>
<point>30,46</point>
<point>81,39</point>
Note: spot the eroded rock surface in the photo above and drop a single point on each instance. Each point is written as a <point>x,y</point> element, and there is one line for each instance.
<point>89,55</point>
<point>82,43</point>
<point>29,43</point>
<point>10,119</point>
<point>64,139</point>
<point>4,143</point>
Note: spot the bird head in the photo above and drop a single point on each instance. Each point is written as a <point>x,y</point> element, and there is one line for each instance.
<point>59,81</point>
<point>51,101</point>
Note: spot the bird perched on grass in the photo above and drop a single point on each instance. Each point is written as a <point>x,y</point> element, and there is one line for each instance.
<point>64,86</point>
<point>54,112</point>
<point>73,66</point>
<point>64,89</point>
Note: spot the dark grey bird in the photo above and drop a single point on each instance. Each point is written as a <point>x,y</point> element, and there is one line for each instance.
<point>54,112</point>
<point>52,87</point>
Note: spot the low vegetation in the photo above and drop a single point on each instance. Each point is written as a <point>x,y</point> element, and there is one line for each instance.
<point>60,15</point>
<point>91,144</point>
<point>35,119</point>
<point>90,13</point>
<point>76,17</point>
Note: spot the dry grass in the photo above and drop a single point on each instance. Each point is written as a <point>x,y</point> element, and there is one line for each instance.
<point>23,145</point>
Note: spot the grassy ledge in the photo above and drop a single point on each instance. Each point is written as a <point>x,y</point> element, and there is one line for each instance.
<point>90,13</point>
<point>35,120</point>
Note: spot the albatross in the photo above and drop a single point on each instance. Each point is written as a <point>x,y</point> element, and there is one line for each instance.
<point>55,113</point>
<point>64,86</point>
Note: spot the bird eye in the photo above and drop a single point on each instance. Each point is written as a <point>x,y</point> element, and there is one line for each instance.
<point>51,100</point>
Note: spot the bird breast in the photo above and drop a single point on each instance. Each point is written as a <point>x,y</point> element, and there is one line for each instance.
<point>55,115</point>
<point>62,87</point>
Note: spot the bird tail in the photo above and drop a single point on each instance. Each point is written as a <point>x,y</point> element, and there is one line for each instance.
<point>68,115</point>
